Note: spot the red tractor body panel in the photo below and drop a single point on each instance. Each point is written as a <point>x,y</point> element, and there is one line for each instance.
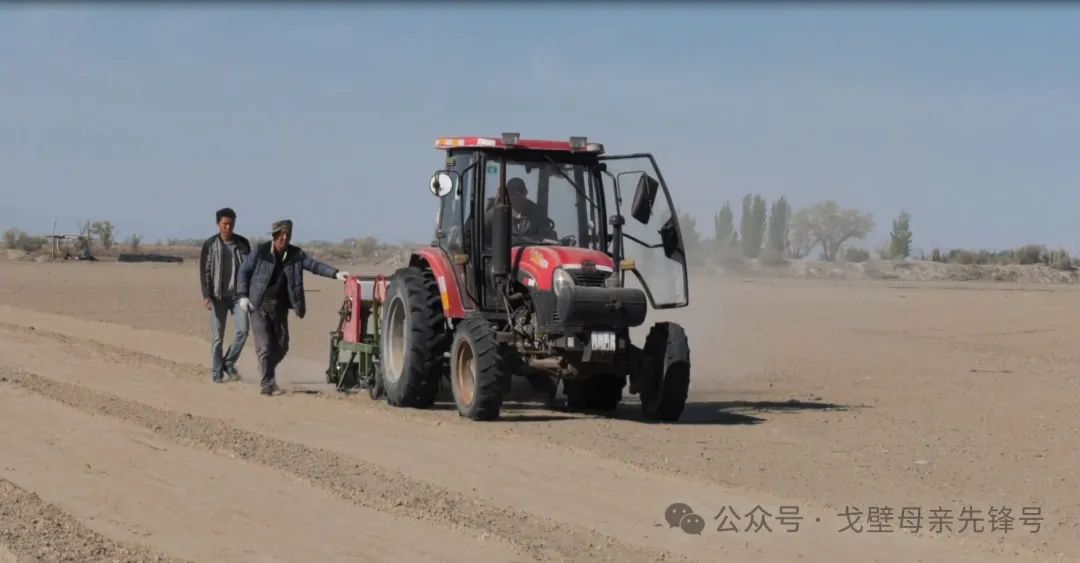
<point>536,268</point>
<point>452,298</point>
<point>539,262</point>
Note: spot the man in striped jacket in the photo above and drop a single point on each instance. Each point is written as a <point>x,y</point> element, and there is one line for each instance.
<point>219,264</point>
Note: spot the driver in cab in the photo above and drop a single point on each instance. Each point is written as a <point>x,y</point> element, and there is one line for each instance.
<point>522,208</point>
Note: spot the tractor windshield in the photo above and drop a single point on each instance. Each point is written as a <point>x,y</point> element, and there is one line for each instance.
<point>551,201</point>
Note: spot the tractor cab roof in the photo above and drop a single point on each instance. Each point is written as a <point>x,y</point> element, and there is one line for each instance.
<point>512,141</point>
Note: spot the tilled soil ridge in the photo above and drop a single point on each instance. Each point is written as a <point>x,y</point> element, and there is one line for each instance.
<point>34,530</point>
<point>362,483</point>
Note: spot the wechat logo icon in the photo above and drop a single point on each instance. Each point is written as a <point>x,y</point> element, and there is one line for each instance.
<point>680,515</point>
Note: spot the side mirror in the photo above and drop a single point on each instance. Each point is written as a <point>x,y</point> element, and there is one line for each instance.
<point>669,238</point>
<point>443,183</point>
<point>644,197</point>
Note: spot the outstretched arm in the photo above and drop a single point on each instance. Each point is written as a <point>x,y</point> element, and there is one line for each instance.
<point>318,268</point>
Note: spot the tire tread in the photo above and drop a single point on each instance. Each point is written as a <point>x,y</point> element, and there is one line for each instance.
<point>428,339</point>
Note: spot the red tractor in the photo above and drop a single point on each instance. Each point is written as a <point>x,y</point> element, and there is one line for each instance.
<point>527,276</point>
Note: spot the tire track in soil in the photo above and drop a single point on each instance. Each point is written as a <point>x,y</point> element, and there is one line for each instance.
<point>108,350</point>
<point>610,442</point>
<point>34,530</point>
<point>353,480</point>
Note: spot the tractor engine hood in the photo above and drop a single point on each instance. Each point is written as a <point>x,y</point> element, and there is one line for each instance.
<point>587,303</point>
<point>537,264</point>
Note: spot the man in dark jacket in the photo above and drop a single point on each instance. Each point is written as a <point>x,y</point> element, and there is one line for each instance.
<point>271,282</point>
<point>219,262</point>
<point>521,208</point>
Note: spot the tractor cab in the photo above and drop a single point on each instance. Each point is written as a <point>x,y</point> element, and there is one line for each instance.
<point>521,210</point>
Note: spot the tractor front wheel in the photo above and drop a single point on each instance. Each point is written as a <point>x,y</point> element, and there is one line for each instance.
<point>665,372</point>
<point>412,340</point>
<point>478,368</point>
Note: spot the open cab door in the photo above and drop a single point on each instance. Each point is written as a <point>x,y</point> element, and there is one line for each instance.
<point>637,197</point>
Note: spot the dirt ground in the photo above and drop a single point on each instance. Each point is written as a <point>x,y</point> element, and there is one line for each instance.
<point>828,421</point>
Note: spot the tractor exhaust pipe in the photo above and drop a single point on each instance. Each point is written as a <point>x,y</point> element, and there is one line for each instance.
<point>500,229</point>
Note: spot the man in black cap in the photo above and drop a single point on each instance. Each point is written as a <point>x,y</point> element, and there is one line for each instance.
<point>270,282</point>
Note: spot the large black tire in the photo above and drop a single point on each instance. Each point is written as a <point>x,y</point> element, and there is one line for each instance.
<point>601,392</point>
<point>413,339</point>
<point>479,368</point>
<point>665,372</point>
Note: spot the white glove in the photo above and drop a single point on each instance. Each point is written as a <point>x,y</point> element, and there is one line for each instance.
<point>245,304</point>
<point>342,275</point>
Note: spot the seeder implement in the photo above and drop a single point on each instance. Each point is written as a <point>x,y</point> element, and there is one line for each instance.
<point>354,345</point>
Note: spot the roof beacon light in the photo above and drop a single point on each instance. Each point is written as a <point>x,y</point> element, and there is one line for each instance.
<point>509,139</point>
<point>578,143</point>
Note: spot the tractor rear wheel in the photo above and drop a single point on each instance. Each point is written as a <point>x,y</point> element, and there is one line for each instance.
<point>601,392</point>
<point>665,372</point>
<point>412,338</point>
<point>479,366</point>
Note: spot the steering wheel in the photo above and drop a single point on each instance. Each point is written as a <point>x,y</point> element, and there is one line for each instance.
<point>524,225</point>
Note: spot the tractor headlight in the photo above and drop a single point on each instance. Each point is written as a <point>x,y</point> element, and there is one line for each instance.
<point>561,281</point>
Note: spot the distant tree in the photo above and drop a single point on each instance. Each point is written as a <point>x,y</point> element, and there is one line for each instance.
<point>778,226</point>
<point>830,226</point>
<point>852,254</point>
<point>134,241</point>
<point>1061,260</point>
<point>745,222</point>
<point>1032,254</point>
<point>900,238</point>
<point>964,257</point>
<point>752,225</point>
<point>12,236</point>
<point>368,246</point>
<point>691,236</point>
<point>760,216</point>
<point>725,236</point>
<point>800,241</point>
<point>18,239</point>
<point>105,233</point>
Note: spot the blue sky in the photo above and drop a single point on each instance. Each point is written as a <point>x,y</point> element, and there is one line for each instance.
<point>965,115</point>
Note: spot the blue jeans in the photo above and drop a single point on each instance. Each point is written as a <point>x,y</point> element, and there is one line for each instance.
<point>219,312</point>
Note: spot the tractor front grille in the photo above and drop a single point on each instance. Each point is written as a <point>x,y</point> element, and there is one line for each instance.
<point>587,278</point>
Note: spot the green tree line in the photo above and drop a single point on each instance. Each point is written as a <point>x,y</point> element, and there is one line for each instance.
<point>831,232</point>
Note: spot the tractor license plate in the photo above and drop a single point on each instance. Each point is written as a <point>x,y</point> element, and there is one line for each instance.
<point>602,342</point>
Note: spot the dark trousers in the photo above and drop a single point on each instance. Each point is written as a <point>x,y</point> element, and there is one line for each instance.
<point>270,325</point>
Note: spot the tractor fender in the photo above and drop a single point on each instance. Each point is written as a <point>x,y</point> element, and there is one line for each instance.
<point>436,260</point>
